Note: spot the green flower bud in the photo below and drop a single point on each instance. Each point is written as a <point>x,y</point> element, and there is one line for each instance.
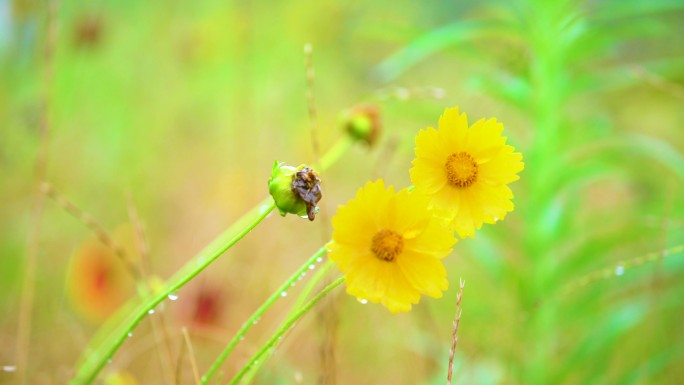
<point>362,123</point>
<point>295,190</point>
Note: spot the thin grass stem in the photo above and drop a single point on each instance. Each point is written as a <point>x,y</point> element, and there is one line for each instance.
<point>28,288</point>
<point>191,351</point>
<point>454,335</point>
<point>301,299</point>
<point>289,322</point>
<point>258,313</point>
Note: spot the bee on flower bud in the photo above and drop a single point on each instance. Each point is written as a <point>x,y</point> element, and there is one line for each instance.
<point>296,190</point>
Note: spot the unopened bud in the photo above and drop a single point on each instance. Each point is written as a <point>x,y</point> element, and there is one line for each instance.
<point>296,190</point>
<point>362,123</point>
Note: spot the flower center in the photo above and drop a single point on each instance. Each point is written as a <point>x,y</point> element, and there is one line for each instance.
<point>387,245</point>
<point>461,169</point>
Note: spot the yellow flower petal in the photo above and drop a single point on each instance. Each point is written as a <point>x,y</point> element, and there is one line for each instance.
<point>466,170</point>
<point>425,273</point>
<point>397,258</point>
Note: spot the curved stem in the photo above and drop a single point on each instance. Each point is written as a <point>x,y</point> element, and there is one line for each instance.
<point>257,314</point>
<point>97,359</point>
<point>289,322</point>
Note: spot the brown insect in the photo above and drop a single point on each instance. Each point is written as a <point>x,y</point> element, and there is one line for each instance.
<point>307,186</point>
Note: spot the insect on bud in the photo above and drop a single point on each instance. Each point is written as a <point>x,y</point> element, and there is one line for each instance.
<point>362,123</point>
<point>295,190</point>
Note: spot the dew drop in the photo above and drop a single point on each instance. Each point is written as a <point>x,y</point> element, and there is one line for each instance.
<point>363,301</point>
<point>292,284</point>
<point>130,335</point>
<point>151,311</point>
<point>283,294</point>
<point>242,338</point>
<point>619,270</point>
<point>256,362</point>
<point>319,259</point>
<point>173,297</point>
<point>312,266</point>
<point>9,368</point>
<point>496,219</point>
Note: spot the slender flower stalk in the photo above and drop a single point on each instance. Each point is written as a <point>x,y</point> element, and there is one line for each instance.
<point>299,302</point>
<point>94,359</point>
<point>289,322</point>
<point>258,313</point>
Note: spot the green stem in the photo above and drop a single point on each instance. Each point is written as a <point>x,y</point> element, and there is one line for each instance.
<point>320,273</point>
<point>257,314</point>
<point>301,298</point>
<point>97,359</point>
<point>94,359</point>
<point>334,153</point>
<point>289,322</point>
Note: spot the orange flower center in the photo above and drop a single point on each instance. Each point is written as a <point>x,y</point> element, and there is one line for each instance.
<point>461,170</point>
<point>387,245</point>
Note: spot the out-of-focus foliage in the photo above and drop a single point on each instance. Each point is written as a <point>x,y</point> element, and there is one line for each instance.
<point>185,106</point>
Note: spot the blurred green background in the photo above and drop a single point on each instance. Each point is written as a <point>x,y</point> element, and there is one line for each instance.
<point>184,106</point>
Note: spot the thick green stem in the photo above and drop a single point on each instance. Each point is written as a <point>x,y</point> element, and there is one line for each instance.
<point>96,360</point>
<point>289,322</point>
<point>257,314</point>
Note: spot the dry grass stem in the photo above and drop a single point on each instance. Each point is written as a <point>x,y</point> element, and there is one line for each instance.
<point>310,101</point>
<point>91,224</point>
<point>454,335</point>
<point>158,324</point>
<point>28,285</point>
<point>193,361</point>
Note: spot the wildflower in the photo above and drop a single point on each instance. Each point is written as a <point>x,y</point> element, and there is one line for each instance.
<point>389,246</point>
<point>466,170</point>
<point>208,305</point>
<point>362,123</point>
<point>98,282</point>
<point>295,190</point>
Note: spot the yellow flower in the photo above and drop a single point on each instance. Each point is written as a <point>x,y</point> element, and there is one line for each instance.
<point>389,246</point>
<point>466,170</point>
